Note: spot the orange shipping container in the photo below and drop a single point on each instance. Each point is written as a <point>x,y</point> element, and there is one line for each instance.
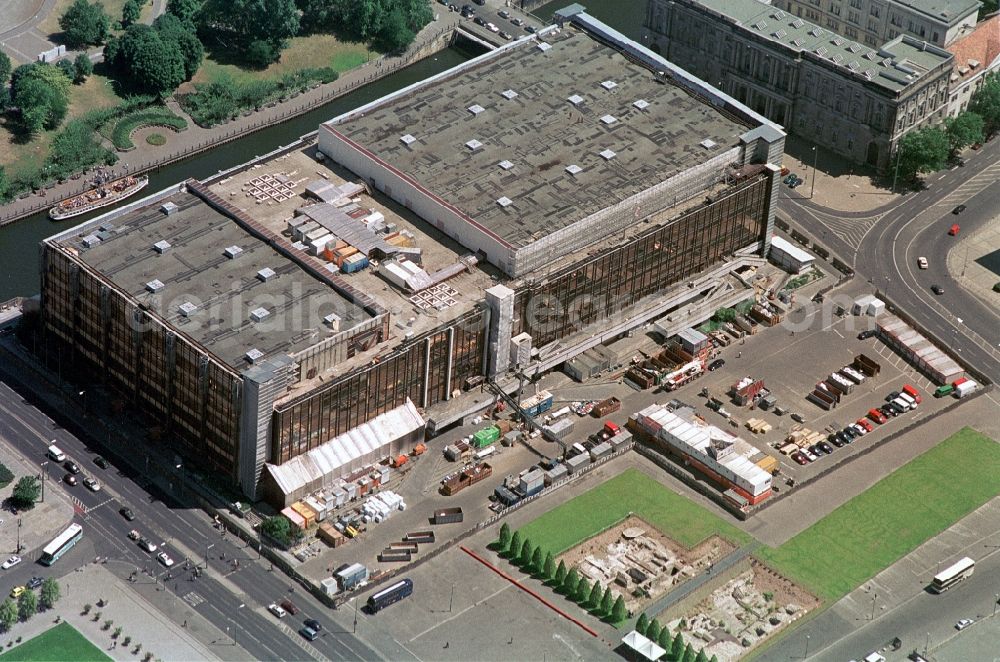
<point>305,512</point>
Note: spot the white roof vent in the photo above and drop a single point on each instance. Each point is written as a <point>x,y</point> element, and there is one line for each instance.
<point>473,144</point>
<point>510,95</point>
<point>576,99</point>
<point>608,154</point>
<point>475,109</point>
<point>779,34</point>
<point>90,241</point>
<point>641,104</point>
<point>797,23</point>
<point>187,309</point>
<point>815,32</point>
<point>266,274</point>
<point>609,119</point>
<point>254,355</point>
<point>505,164</point>
<point>837,41</point>
<point>233,252</point>
<point>259,314</point>
<point>542,46</point>
<point>161,246</point>
<point>707,143</point>
<point>504,201</point>
<point>408,139</point>
<point>168,208</point>
<point>154,286</point>
<point>609,85</point>
<point>574,169</point>
<point>333,321</point>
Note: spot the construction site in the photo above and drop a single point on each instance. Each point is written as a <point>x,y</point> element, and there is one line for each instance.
<point>642,562</point>
<point>739,611</point>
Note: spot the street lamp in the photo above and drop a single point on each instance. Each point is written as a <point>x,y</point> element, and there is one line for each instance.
<point>208,547</point>
<point>42,477</point>
<point>874,598</point>
<point>233,622</point>
<point>812,189</point>
<point>807,648</point>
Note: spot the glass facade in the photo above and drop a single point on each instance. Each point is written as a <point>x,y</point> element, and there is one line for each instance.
<point>610,282</point>
<point>320,415</point>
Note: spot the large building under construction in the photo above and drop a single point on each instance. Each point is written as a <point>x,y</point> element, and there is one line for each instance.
<point>505,215</point>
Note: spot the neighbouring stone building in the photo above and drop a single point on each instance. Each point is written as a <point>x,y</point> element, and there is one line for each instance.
<point>976,56</point>
<point>854,100</point>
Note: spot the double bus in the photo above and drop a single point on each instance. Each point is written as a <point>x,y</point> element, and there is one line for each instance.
<point>62,544</point>
<point>952,575</point>
<point>388,596</point>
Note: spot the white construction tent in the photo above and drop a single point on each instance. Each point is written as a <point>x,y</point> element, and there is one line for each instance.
<point>389,434</point>
<point>643,646</point>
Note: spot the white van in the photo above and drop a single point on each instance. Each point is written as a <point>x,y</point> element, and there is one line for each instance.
<point>904,404</point>
<point>56,454</point>
<point>908,399</point>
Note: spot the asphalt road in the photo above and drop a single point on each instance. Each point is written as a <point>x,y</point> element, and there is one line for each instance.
<point>186,534</point>
<point>917,226</point>
<point>925,619</point>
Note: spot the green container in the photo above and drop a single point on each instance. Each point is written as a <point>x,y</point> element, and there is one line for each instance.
<point>485,437</point>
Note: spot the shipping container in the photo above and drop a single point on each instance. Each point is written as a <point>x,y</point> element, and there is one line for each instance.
<point>349,576</point>
<point>537,404</point>
<point>505,496</point>
<point>866,365</point>
<point>600,450</point>
<point>555,474</point>
<point>390,555</point>
<point>447,516</point>
<point>853,374</point>
<point>354,263</point>
<point>817,398</point>
<point>485,437</point>
<point>577,462</point>
<point>531,482</point>
<point>422,537</point>
<point>465,478</point>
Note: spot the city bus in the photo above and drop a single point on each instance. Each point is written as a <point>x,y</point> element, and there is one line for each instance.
<point>952,575</point>
<point>387,596</point>
<point>62,544</point>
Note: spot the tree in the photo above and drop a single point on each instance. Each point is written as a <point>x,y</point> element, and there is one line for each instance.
<point>278,529</point>
<point>130,12</point>
<point>569,585</point>
<point>183,9</point>
<point>653,631</point>
<point>49,593</point>
<point>259,54</point>
<point>964,130</point>
<point>537,560</point>
<point>67,68</point>
<point>549,567</point>
<point>986,8</point>
<point>677,647</point>
<point>389,24</point>
<point>184,37</point>
<point>607,600</point>
<point>618,612</point>
<point>923,150</point>
<point>27,605</point>
<point>701,657</point>
<point>582,592</point>
<point>26,492</point>
<point>247,21</point>
<point>8,614</point>
<point>503,543</point>
<point>4,184</point>
<point>664,639</point>
<point>395,34</point>
<point>75,147</point>
<point>689,653</point>
<point>524,558</point>
<point>986,103</point>
<point>642,624</point>
<point>560,574</point>
<point>594,600</point>
<point>82,68</point>
<point>5,68</point>
<point>85,23</point>
<point>149,63</point>
<point>715,658</point>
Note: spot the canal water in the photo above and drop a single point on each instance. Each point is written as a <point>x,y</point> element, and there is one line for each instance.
<point>19,253</point>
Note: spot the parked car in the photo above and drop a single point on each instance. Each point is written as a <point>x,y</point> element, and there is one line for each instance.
<point>516,21</point>
<point>790,178</point>
<point>91,484</point>
<point>958,210</point>
<point>860,430</point>
<point>134,535</point>
<point>888,411</point>
<point>506,35</point>
<point>866,334</point>
<point>127,514</point>
<point>69,479</point>
<point>503,13</point>
<point>844,438</point>
<point>937,289</point>
<point>892,396</point>
<point>530,29</point>
<point>716,364</point>
<point>800,458</point>
<point>11,562</point>
<point>479,21</point>
<point>289,606</point>
<point>798,418</point>
<point>101,462</point>
<point>71,467</point>
<point>832,438</point>
<point>964,623</point>
<point>850,432</point>
<point>276,610</point>
<point>147,546</point>
<point>825,447</point>
<point>797,181</point>
<point>876,416</point>
<point>896,407</point>
<point>17,591</point>
<point>922,262</point>
<point>34,582</point>
<point>866,424</point>
<point>492,27</point>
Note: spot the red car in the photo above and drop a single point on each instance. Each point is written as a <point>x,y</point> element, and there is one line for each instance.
<point>866,424</point>
<point>912,392</point>
<point>876,416</point>
<point>800,458</point>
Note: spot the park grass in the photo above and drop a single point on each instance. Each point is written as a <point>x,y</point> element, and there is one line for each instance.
<point>633,492</point>
<point>311,52</point>
<point>876,528</point>
<point>62,642</point>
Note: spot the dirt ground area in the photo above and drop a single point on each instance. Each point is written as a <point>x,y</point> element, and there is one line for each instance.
<point>641,559</point>
<point>742,613</point>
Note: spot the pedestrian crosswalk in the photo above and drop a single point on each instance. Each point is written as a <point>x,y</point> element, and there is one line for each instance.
<point>193,598</point>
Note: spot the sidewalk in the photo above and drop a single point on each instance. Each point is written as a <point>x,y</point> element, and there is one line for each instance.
<point>435,36</point>
<point>140,620</point>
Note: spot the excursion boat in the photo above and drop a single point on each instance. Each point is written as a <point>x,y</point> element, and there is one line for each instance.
<point>103,194</point>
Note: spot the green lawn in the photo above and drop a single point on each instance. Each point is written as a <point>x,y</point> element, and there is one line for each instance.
<point>632,491</point>
<point>877,527</point>
<point>63,642</point>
